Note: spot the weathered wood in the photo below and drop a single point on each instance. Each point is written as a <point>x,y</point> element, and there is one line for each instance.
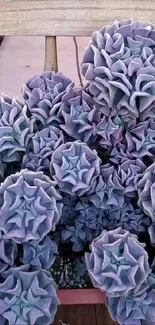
<point>102,316</point>
<point>51,62</point>
<point>76,315</point>
<point>68,17</point>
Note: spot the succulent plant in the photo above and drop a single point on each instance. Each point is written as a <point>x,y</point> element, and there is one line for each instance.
<point>68,209</point>
<point>85,224</point>
<point>140,140</point>
<point>119,63</point>
<point>8,252</point>
<point>110,133</point>
<point>127,217</point>
<point>27,296</point>
<point>41,147</point>
<point>75,167</point>
<point>29,206</point>
<point>80,117</point>
<point>151,231</point>
<point>137,143</point>
<point>118,263</point>
<point>120,153</point>
<point>76,236</point>
<point>15,130</point>
<point>137,308</point>
<point>128,172</point>
<point>107,189</point>
<point>43,92</point>
<point>146,186</point>
<point>41,253</point>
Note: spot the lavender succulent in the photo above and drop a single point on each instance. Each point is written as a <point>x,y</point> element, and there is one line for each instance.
<point>137,143</point>
<point>8,252</point>
<point>41,147</point>
<point>120,153</point>
<point>75,167</point>
<point>41,253</point>
<point>76,236</point>
<point>119,63</point>
<point>140,141</point>
<point>29,206</point>
<point>127,217</point>
<point>146,186</point>
<point>27,296</point>
<point>107,189</point>
<point>68,209</point>
<point>89,218</point>
<point>45,92</point>
<point>137,308</point>
<point>80,117</point>
<point>118,263</point>
<point>15,130</point>
<point>151,231</point>
<point>128,172</point>
<point>110,133</point>
<point>86,224</point>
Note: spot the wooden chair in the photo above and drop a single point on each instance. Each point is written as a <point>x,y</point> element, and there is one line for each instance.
<point>53,18</point>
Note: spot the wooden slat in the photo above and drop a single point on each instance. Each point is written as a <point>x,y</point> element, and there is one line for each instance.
<point>102,316</point>
<point>80,296</point>
<point>51,62</point>
<point>68,17</point>
<point>76,315</point>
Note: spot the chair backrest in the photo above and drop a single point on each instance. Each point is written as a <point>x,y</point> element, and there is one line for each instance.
<point>53,18</point>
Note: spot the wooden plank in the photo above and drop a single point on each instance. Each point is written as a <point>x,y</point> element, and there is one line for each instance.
<point>102,316</point>
<point>68,17</point>
<point>76,315</point>
<point>81,296</point>
<point>51,62</point>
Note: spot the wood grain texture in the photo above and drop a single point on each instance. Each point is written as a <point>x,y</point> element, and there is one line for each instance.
<point>76,315</point>
<point>51,62</point>
<point>102,316</point>
<point>68,17</point>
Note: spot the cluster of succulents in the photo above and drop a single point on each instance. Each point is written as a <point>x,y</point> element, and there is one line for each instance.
<point>77,183</point>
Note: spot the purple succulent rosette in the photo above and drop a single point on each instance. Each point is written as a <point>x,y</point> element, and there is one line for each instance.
<point>127,217</point>
<point>41,253</point>
<point>41,147</point>
<point>119,63</point>
<point>15,130</point>
<point>137,308</point>
<point>68,209</point>
<point>118,263</point>
<point>146,186</point>
<point>140,141</point>
<point>75,167</point>
<point>110,134</point>
<point>120,153</point>
<point>86,224</point>
<point>128,172</point>
<point>80,116</point>
<point>107,189</point>
<point>8,252</point>
<point>45,92</point>
<point>30,206</point>
<point>27,296</point>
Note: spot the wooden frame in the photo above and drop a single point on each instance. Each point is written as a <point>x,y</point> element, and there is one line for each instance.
<point>81,296</point>
<point>53,18</point>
